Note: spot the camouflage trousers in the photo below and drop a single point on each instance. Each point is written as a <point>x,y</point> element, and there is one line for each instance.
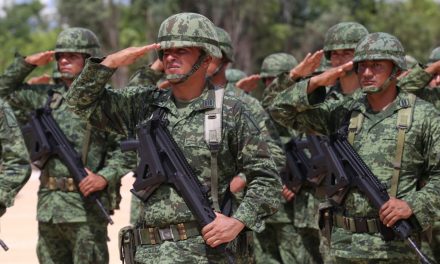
<point>283,243</point>
<point>192,250</point>
<point>72,243</point>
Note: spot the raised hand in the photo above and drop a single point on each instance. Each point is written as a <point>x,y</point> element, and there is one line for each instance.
<point>307,66</point>
<point>41,58</point>
<point>329,77</point>
<point>43,79</point>
<point>250,83</point>
<point>127,56</point>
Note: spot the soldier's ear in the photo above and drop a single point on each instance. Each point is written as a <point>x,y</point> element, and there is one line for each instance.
<point>207,60</point>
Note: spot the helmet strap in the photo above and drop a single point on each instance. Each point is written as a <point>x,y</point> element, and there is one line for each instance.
<point>384,86</point>
<point>180,78</point>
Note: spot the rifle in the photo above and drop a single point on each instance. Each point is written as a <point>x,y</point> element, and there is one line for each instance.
<point>162,162</point>
<point>361,177</point>
<point>45,140</point>
<point>307,162</point>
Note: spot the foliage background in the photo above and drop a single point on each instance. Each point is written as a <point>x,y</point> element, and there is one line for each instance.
<point>258,28</point>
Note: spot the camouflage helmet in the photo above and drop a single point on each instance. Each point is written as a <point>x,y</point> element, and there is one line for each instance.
<point>277,63</point>
<point>225,44</point>
<point>343,35</point>
<point>234,75</point>
<point>188,30</point>
<point>435,56</point>
<point>380,46</point>
<point>80,40</point>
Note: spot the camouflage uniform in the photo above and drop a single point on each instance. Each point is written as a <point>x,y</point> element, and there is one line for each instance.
<point>15,169</point>
<point>242,148</point>
<point>310,244</point>
<point>70,230</point>
<point>376,144</point>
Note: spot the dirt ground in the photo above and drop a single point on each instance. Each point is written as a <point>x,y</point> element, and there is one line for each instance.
<point>18,227</point>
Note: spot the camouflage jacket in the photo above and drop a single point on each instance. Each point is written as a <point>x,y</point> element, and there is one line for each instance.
<point>417,82</point>
<point>103,156</point>
<point>376,144</point>
<point>242,149</point>
<point>267,127</point>
<point>15,168</point>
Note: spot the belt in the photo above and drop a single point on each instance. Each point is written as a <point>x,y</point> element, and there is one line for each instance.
<point>357,224</point>
<point>59,184</point>
<point>158,235</point>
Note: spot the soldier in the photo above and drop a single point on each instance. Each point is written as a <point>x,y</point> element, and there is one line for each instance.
<point>14,159</point>
<point>278,227</point>
<point>69,230</point>
<point>397,161</point>
<point>187,43</point>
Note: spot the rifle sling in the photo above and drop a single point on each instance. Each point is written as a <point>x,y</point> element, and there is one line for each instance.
<point>213,137</point>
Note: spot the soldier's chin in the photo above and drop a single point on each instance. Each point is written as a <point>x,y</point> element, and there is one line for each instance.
<point>370,89</point>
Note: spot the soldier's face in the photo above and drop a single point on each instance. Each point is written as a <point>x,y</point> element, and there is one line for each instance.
<point>71,63</point>
<point>339,57</point>
<point>374,73</point>
<point>179,60</point>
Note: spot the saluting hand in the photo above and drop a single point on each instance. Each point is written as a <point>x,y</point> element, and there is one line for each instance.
<point>222,230</point>
<point>127,56</point>
<point>92,183</point>
<point>393,210</point>
<point>250,83</point>
<point>41,58</point>
<point>307,66</point>
<point>329,77</point>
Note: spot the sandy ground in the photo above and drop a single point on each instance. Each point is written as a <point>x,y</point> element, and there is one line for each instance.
<point>18,227</point>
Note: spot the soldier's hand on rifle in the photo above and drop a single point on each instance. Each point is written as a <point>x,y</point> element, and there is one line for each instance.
<point>307,66</point>
<point>222,230</point>
<point>127,56</point>
<point>329,77</point>
<point>287,194</point>
<point>250,83</point>
<point>237,184</point>
<point>41,58</point>
<point>92,183</point>
<point>393,210</point>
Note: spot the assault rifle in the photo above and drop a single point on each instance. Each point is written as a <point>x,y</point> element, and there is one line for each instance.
<point>162,162</point>
<point>45,140</point>
<point>307,161</point>
<point>361,177</point>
